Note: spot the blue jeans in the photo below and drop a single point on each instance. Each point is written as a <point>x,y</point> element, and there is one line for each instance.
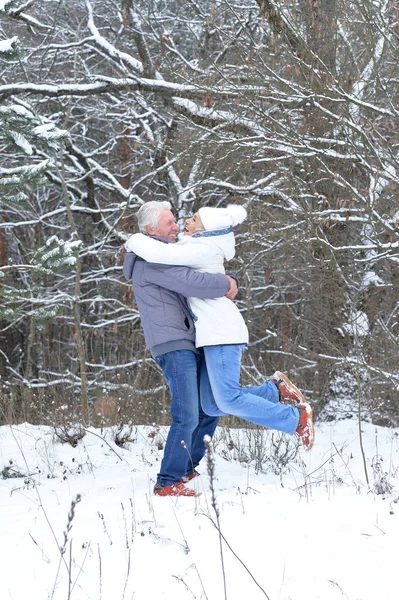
<point>221,393</point>
<point>190,424</point>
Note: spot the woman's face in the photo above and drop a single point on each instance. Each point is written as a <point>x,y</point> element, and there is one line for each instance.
<point>193,224</point>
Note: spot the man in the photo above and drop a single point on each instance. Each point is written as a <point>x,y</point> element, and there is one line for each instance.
<point>161,292</point>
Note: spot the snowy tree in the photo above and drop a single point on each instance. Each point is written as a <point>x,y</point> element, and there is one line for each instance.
<point>290,108</point>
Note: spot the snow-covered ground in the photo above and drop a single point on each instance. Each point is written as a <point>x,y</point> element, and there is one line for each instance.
<point>317,531</point>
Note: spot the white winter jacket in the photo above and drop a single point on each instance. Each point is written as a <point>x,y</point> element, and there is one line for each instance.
<point>218,320</point>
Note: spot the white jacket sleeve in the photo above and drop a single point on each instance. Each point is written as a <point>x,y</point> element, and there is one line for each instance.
<point>194,255</point>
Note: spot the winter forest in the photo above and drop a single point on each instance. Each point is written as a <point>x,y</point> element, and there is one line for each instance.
<point>288,107</point>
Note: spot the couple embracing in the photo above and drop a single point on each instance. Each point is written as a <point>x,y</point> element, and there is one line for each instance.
<point>197,335</point>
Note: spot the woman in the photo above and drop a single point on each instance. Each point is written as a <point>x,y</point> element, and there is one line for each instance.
<point>207,241</point>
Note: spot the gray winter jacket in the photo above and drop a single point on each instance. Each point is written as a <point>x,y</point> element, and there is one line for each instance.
<point>161,292</point>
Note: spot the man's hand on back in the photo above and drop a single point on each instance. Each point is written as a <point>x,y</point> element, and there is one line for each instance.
<point>232,293</point>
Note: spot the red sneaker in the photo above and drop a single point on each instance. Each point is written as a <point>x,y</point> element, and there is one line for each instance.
<point>288,389</point>
<point>192,475</point>
<point>174,489</point>
<point>305,429</point>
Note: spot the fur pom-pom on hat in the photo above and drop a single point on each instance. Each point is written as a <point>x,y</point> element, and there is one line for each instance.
<point>219,218</point>
<point>237,213</point>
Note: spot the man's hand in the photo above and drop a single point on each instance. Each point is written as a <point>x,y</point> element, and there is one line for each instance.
<point>232,293</point>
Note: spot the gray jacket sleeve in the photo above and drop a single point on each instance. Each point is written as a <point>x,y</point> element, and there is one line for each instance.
<point>188,282</point>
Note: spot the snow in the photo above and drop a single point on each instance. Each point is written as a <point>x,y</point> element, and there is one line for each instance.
<point>310,530</point>
<point>16,109</point>
<point>361,85</point>
<point>358,324</point>
<point>50,132</point>
<point>3,4</point>
<point>370,278</point>
<point>224,116</point>
<point>112,51</point>
<point>7,45</point>
<point>21,141</point>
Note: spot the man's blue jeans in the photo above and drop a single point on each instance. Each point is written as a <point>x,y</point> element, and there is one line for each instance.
<point>221,393</point>
<point>190,424</point>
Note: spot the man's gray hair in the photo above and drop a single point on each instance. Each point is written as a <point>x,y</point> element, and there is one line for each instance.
<point>149,214</point>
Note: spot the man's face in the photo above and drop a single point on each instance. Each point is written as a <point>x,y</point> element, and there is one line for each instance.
<point>166,227</point>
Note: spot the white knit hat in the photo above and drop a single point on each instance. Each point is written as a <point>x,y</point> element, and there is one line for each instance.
<point>219,218</point>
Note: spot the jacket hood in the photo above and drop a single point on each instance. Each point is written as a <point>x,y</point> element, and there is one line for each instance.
<point>128,265</point>
<point>131,257</point>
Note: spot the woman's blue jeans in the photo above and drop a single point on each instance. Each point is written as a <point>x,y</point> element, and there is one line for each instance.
<point>190,424</point>
<point>221,393</point>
